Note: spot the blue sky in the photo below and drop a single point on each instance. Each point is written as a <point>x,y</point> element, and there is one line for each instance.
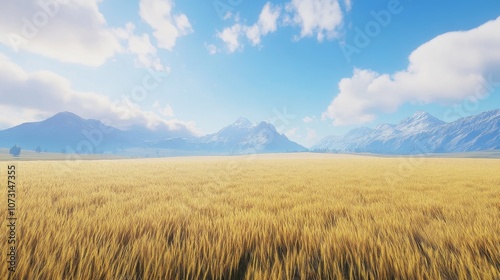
<point>197,68</point>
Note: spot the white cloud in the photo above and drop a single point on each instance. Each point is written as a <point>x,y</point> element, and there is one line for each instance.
<point>315,17</point>
<point>12,116</point>
<point>447,69</point>
<point>167,27</point>
<point>166,111</point>
<point>266,24</point>
<point>308,119</point>
<point>141,46</point>
<point>75,31</point>
<point>211,48</point>
<point>320,18</point>
<point>72,31</point>
<point>43,93</point>
<point>231,37</point>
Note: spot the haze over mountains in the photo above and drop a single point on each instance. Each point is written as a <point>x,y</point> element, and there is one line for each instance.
<point>420,133</point>
<point>241,137</point>
<point>67,132</point>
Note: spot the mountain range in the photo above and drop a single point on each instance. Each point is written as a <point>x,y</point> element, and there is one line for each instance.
<point>69,133</point>
<point>420,134</point>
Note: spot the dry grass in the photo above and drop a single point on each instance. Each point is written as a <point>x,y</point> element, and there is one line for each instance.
<point>268,217</point>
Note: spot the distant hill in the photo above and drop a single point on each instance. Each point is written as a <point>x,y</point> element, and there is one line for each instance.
<point>421,133</point>
<point>65,131</point>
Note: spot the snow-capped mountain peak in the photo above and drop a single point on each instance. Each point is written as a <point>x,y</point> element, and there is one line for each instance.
<point>419,122</point>
<point>242,123</point>
<point>421,118</point>
<point>422,133</point>
<point>243,136</point>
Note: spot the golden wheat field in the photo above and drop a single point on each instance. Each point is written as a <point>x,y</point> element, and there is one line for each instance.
<point>300,216</point>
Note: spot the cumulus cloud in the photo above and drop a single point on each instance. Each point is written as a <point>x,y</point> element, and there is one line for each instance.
<point>141,46</point>
<point>167,27</point>
<point>211,48</point>
<point>447,69</point>
<point>39,94</point>
<point>72,31</point>
<point>231,37</point>
<point>166,111</point>
<point>267,23</point>
<point>318,18</point>
<point>75,31</point>
<point>12,116</point>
